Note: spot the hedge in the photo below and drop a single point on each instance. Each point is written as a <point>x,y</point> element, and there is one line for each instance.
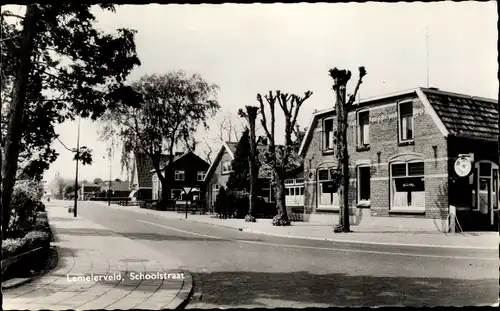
<point>31,241</point>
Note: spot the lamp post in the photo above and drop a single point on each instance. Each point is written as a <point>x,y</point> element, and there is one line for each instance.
<point>76,177</point>
<point>110,181</point>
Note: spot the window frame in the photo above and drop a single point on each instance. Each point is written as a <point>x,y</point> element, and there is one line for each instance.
<point>203,174</point>
<point>172,194</point>
<point>323,135</point>
<point>223,171</point>
<point>358,183</point>
<point>320,189</point>
<point>359,143</point>
<point>400,122</point>
<point>410,209</point>
<point>177,173</point>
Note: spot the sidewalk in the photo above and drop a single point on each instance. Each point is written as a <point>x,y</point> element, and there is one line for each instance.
<point>88,249</point>
<point>323,231</point>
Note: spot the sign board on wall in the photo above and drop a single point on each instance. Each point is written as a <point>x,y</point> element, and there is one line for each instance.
<point>387,117</point>
<point>463,165</point>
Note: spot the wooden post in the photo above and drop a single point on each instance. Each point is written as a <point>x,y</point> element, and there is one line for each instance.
<point>452,217</point>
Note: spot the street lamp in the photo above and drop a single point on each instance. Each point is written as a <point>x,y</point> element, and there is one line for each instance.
<point>110,181</point>
<point>76,177</point>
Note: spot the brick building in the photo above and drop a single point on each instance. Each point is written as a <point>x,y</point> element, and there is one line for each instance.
<point>403,148</point>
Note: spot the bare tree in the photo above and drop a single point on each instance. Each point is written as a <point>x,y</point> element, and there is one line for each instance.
<point>341,178</point>
<point>278,157</point>
<point>251,116</point>
<point>208,152</point>
<point>229,130</point>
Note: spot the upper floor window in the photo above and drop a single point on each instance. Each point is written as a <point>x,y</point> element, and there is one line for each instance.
<point>179,175</point>
<point>405,120</point>
<point>201,175</point>
<point>364,129</point>
<point>328,134</point>
<point>216,187</point>
<point>226,167</point>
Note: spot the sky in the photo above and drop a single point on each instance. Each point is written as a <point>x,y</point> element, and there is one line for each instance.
<point>255,48</point>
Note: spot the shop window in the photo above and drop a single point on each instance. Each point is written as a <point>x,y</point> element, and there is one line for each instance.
<point>327,190</point>
<point>407,186</point>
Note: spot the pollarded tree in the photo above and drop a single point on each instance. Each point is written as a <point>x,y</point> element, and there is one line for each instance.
<point>56,66</point>
<point>239,179</point>
<point>250,114</point>
<point>279,158</point>
<point>342,107</point>
<point>174,106</point>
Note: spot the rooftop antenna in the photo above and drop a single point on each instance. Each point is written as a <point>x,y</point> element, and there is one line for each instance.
<point>427,50</point>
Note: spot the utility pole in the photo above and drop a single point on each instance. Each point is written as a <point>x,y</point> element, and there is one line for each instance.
<point>427,50</point>
<point>109,185</point>
<point>76,175</point>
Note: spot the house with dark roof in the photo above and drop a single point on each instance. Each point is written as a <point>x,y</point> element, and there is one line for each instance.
<point>142,165</point>
<point>416,158</point>
<point>186,182</point>
<point>220,169</point>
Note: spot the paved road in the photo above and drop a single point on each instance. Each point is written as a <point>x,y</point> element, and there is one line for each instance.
<point>239,269</point>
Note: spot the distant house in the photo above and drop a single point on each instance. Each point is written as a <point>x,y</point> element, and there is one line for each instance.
<point>141,173</point>
<point>219,171</point>
<point>87,190</point>
<point>187,180</point>
<point>141,170</point>
<point>119,189</point>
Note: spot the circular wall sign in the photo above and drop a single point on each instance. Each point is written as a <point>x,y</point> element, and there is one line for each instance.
<point>463,166</point>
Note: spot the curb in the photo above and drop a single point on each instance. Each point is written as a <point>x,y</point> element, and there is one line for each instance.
<point>247,230</point>
<point>367,242</point>
<point>182,298</point>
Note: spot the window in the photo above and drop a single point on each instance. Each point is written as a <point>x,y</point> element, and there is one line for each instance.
<point>288,181</point>
<point>177,194</point>
<point>408,186</point>
<point>328,192</point>
<point>299,181</point>
<point>364,129</point>
<point>328,134</point>
<point>364,176</point>
<point>179,175</point>
<point>216,187</point>
<point>226,167</point>
<point>201,175</point>
<point>405,121</point>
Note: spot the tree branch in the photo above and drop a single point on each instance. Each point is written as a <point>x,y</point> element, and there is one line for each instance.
<point>352,98</point>
<point>264,119</point>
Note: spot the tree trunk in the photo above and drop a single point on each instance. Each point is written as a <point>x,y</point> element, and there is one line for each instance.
<point>280,197</point>
<point>14,133</point>
<point>254,171</point>
<point>343,159</point>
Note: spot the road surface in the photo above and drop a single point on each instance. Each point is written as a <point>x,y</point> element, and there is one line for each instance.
<point>239,269</point>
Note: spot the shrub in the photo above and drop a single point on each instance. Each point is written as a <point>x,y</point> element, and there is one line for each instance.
<point>250,218</point>
<point>13,247</point>
<point>35,239</point>
<point>278,221</point>
<point>40,207</point>
<point>221,202</point>
<point>25,197</point>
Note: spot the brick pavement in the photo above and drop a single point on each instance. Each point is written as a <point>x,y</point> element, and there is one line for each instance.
<point>323,231</point>
<point>86,248</point>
